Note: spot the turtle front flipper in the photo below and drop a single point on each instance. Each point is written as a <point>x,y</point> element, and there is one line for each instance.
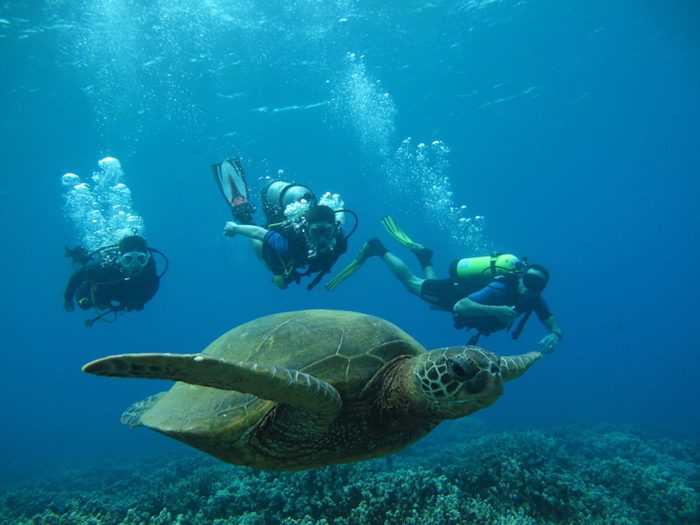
<point>281,385</point>
<point>513,366</point>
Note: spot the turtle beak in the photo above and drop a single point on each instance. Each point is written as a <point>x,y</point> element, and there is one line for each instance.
<point>513,366</point>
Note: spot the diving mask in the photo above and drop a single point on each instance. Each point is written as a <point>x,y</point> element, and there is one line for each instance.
<point>321,232</point>
<point>132,261</point>
<point>534,282</point>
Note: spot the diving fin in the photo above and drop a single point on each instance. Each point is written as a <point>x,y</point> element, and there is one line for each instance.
<point>368,250</point>
<point>231,181</point>
<point>393,229</point>
<point>424,255</point>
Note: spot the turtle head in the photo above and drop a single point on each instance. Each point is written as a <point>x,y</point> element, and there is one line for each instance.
<point>459,380</point>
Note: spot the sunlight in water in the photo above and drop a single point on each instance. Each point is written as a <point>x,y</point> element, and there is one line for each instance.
<point>369,113</point>
<point>420,174</point>
<point>363,107</point>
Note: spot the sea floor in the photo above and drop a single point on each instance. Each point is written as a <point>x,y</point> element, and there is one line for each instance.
<point>573,475</point>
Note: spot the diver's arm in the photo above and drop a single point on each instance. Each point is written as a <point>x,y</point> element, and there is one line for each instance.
<point>551,325</point>
<point>247,230</point>
<point>549,342</point>
<point>467,307</point>
<point>73,283</point>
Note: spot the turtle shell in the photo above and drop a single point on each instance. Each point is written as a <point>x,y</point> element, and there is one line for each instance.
<point>343,348</point>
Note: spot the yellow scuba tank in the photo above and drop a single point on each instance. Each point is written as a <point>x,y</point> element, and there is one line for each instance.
<point>477,272</point>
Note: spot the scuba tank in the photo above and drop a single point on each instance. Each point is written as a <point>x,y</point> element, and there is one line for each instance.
<point>477,272</point>
<point>279,194</point>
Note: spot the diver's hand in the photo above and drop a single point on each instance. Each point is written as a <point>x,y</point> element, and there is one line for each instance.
<point>68,305</point>
<point>505,314</point>
<point>230,229</point>
<point>548,343</point>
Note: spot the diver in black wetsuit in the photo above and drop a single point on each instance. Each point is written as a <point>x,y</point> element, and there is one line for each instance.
<point>114,279</point>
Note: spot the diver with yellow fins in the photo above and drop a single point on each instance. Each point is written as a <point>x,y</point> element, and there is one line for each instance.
<point>485,293</point>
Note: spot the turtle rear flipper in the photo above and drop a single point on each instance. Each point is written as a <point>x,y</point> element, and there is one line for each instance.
<point>282,385</point>
<point>131,417</point>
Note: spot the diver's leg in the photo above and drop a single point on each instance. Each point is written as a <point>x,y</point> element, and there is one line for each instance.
<point>425,259</point>
<point>403,273</point>
<point>375,248</point>
<point>423,254</point>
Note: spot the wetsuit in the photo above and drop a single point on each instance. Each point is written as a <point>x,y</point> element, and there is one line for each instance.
<point>102,284</point>
<point>503,292</point>
<point>286,253</point>
<point>443,294</point>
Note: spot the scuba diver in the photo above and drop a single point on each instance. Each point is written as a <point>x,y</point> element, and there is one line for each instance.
<point>113,279</point>
<point>486,293</point>
<point>302,236</point>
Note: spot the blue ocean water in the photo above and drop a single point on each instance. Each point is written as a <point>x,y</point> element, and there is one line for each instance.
<point>569,131</point>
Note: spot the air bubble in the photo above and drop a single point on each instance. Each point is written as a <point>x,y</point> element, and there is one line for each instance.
<point>101,212</point>
<point>70,179</point>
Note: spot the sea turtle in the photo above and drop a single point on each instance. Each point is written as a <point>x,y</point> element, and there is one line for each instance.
<point>304,389</point>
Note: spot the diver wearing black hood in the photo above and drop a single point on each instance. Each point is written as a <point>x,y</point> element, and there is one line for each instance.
<point>114,278</point>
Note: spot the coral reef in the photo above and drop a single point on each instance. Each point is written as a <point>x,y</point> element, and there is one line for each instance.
<point>570,475</point>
